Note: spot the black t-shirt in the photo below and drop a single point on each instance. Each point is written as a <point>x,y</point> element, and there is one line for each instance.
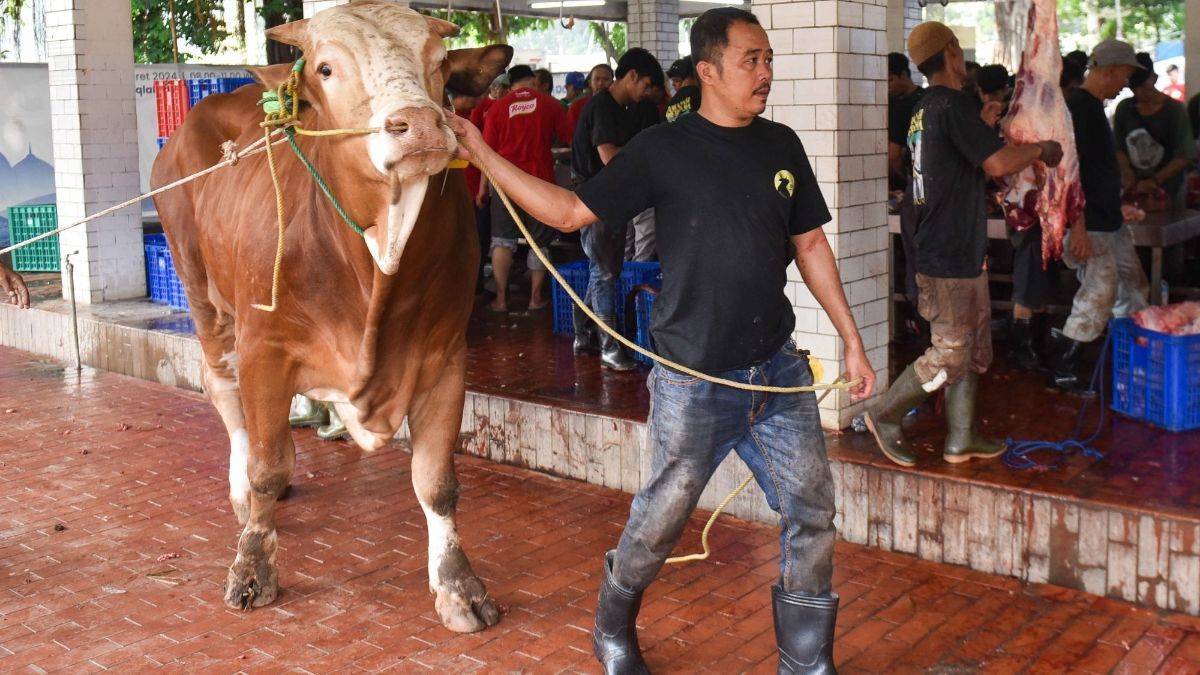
<point>685,101</point>
<point>949,142</point>
<point>1099,171</point>
<point>727,201</point>
<point>603,121</point>
<point>645,115</point>
<point>1153,141</point>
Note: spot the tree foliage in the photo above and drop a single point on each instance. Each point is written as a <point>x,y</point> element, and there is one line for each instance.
<point>1083,23</point>
<point>478,29</point>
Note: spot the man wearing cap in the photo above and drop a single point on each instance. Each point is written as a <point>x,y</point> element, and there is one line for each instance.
<point>687,89</point>
<point>1154,137</point>
<point>576,85</point>
<point>522,128</point>
<point>728,232</point>
<point>1099,245</point>
<point>599,78</point>
<point>953,152</point>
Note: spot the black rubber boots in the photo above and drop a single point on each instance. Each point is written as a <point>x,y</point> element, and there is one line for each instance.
<point>804,631</point>
<point>614,639</point>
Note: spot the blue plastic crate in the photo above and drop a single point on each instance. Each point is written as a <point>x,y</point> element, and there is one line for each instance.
<point>161,280</point>
<point>1156,377</point>
<point>633,274</point>
<point>643,304</point>
<point>201,87</point>
<point>26,222</point>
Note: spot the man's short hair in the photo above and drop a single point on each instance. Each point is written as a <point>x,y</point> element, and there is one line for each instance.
<point>1078,57</point>
<point>1072,74</point>
<point>642,62</point>
<point>992,79</point>
<point>898,65</point>
<point>1172,68</point>
<point>518,73</point>
<point>544,77</point>
<point>933,65</point>
<point>710,33</point>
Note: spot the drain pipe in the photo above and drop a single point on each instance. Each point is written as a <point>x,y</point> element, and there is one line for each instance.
<point>74,310</point>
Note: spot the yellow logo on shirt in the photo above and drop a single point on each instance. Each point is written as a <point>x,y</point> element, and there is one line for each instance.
<point>785,183</point>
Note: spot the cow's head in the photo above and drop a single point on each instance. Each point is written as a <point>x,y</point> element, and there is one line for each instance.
<point>377,64</point>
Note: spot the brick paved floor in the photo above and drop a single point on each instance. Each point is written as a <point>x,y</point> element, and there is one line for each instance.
<point>115,534</point>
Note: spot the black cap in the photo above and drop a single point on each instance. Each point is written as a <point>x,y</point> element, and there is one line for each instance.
<point>518,73</point>
<point>682,68</point>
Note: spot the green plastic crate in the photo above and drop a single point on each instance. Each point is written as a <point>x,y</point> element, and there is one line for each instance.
<point>26,222</point>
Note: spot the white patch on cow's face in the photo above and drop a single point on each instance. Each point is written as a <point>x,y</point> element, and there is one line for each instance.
<point>239,476</point>
<point>379,65</point>
<point>443,535</point>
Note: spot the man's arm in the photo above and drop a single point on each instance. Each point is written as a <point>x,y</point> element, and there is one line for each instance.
<point>817,267</point>
<point>14,287</point>
<point>1013,158</point>
<point>895,159</point>
<point>607,151</point>
<point>548,203</point>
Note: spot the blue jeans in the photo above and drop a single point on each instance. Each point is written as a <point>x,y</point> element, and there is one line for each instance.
<point>604,245</point>
<point>693,426</point>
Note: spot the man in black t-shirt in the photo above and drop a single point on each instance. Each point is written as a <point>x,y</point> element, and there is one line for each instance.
<point>953,150</point>
<point>686,100</point>
<point>736,204</point>
<point>1099,244</point>
<point>608,122</point>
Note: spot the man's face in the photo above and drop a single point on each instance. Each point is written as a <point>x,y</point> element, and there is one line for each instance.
<point>639,87</point>
<point>894,82</point>
<point>602,78</point>
<point>744,78</point>
<point>1173,76</point>
<point>1117,79</point>
<point>676,83</point>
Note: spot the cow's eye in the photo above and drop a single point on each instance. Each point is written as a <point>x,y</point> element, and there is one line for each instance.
<point>325,70</point>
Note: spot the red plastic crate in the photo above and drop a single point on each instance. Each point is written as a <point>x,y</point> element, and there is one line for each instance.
<point>171,99</point>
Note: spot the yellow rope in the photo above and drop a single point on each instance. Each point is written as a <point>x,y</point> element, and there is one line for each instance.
<point>278,271</point>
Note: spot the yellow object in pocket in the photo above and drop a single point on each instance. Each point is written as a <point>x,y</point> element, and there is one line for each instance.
<point>818,371</point>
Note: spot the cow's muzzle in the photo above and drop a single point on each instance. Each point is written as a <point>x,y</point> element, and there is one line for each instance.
<point>413,141</point>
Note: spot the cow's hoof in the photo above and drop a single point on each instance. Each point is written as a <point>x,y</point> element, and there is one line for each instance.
<point>249,586</point>
<point>464,606</point>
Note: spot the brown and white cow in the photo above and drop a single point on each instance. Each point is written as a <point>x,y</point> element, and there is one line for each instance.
<point>375,324</point>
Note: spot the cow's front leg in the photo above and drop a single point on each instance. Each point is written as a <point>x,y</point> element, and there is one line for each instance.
<point>462,601</point>
<point>253,579</point>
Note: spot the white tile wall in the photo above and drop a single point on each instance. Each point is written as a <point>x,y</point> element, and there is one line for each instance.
<point>90,48</point>
<point>654,26</point>
<point>831,54</point>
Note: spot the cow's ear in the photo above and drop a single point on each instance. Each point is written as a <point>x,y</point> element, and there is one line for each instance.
<point>471,71</point>
<point>293,33</point>
<point>271,77</point>
<point>442,28</point>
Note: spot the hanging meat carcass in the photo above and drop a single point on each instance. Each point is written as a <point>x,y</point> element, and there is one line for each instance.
<point>1038,112</point>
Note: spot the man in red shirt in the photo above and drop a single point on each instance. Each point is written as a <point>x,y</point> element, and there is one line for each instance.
<point>522,127</point>
<point>599,78</point>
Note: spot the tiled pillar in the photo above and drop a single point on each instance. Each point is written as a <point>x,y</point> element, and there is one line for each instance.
<point>90,49</point>
<point>654,26</point>
<point>831,87</point>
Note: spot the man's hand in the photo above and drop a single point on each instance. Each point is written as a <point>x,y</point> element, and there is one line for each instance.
<point>857,366</point>
<point>1052,153</point>
<point>991,112</point>
<point>14,286</point>
<point>1080,246</point>
<point>468,135</point>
